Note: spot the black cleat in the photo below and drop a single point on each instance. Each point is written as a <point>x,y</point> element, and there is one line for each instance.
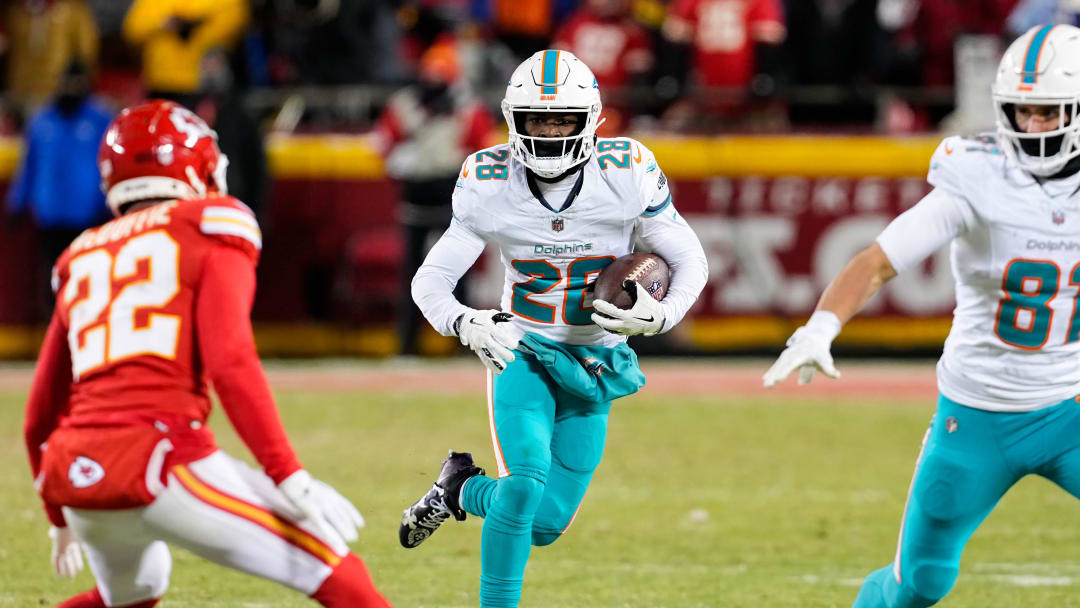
<point>426,515</point>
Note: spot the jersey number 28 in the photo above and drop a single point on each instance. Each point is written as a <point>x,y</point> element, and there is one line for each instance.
<point>545,277</point>
<point>117,337</point>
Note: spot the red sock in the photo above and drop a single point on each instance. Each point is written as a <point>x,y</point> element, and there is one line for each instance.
<point>92,599</point>
<point>88,599</point>
<point>350,586</point>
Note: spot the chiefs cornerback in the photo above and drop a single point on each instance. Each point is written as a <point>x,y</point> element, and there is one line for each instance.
<point>151,309</point>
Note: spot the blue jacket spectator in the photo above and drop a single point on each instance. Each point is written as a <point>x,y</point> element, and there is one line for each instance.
<point>58,180</point>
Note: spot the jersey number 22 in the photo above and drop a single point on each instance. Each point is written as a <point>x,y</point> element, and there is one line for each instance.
<point>117,337</point>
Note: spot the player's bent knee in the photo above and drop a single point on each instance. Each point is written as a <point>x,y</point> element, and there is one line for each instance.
<point>520,493</point>
<point>931,582</point>
<point>543,539</point>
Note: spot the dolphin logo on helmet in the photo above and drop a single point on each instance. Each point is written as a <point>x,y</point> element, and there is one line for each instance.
<point>558,82</point>
<point>1040,67</point>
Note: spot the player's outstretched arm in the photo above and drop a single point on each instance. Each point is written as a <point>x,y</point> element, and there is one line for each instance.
<point>912,236</point>
<point>808,348</point>
<point>227,348</point>
<point>49,395</point>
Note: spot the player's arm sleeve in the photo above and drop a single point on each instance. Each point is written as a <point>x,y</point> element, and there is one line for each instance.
<point>920,231</point>
<point>939,217</point>
<point>670,237</point>
<point>49,395</point>
<point>663,231</point>
<point>433,285</point>
<point>227,347</point>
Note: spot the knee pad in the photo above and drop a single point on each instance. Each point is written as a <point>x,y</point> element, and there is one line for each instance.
<point>931,582</point>
<point>519,494</point>
<point>947,491</point>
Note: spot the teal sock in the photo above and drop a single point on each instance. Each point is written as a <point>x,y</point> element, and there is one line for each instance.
<point>477,494</point>
<point>880,590</point>
<point>507,539</point>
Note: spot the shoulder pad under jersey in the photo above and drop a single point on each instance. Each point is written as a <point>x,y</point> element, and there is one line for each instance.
<point>625,158</point>
<point>961,163</point>
<point>484,172</point>
<point>228,221</point>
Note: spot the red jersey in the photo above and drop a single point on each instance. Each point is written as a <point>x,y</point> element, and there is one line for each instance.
<point>126,296</point>
<point>614,49</point>
<point>150,306</point>
<point>724,34</point>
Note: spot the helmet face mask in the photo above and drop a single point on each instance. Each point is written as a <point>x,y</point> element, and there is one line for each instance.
<point>1044,144</point>
<point>552,82</point>
<point>1040,68</point>
<point>553,152</point>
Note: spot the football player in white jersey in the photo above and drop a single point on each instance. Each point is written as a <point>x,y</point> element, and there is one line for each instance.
<point>1010,374</point>
<point>559,204</point>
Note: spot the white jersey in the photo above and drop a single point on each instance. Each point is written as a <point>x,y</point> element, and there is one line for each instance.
<point>553,250</point>
<point>1015,254</point>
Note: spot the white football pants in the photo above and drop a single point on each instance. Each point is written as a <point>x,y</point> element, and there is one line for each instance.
<point>220,509</point>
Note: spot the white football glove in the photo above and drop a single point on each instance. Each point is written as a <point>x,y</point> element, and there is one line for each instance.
<point>645,317</point>
<point>322,505</point>
<point>808,350</point>
<point>66,554</point>
<point>490,335</point>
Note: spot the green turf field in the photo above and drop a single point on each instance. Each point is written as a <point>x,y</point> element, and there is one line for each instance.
<point>756,501</point>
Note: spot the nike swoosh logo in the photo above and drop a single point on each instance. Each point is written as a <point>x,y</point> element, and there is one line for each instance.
<point>948,150</point>
<point>465,173</point>
<point>649,320</point>
<point>637,154</point>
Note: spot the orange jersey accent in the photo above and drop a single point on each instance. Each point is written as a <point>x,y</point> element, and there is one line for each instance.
<point>126,296</point>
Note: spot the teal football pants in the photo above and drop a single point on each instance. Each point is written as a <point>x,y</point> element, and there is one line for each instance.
<point>548,414</point>
<point>970,458</point>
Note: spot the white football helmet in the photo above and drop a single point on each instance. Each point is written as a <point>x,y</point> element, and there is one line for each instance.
<point>1041,67</point>
<point>552,81</point>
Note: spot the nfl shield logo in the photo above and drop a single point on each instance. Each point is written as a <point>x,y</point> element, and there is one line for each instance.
<point>1058,216</point>
<point>557,224</point>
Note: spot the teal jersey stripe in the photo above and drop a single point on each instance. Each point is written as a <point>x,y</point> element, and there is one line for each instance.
<point>655,209</point>
<point>550,74</point>
<point>1031,61</point>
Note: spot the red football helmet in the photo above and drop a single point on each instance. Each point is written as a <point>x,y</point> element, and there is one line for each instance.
<point>159,149</point>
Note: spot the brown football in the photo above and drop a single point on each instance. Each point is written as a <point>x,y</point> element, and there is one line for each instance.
<point>646,268</point>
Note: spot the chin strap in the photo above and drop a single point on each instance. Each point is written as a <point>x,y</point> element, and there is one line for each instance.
<point>559,177</point>
<point>1071,168</point>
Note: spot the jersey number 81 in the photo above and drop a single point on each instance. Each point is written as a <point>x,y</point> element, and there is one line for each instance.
<point>1024,314</point>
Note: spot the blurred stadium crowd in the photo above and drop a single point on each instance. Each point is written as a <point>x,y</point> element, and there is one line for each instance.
<point>418,83</point>
<point>685,64</point>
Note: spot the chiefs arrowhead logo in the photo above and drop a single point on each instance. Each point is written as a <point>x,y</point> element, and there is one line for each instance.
<point>85,472</point>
